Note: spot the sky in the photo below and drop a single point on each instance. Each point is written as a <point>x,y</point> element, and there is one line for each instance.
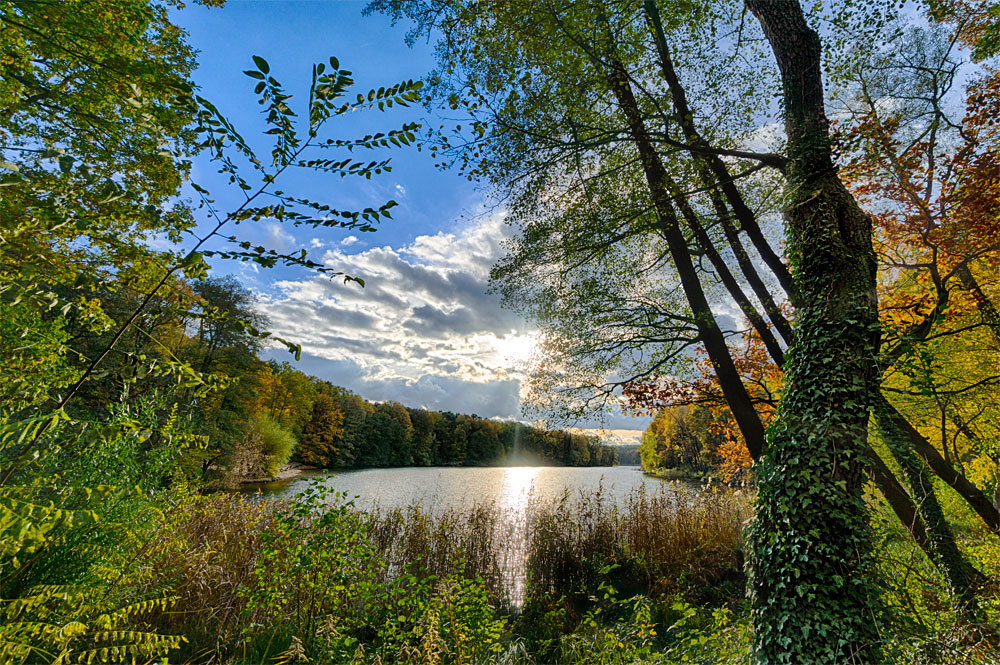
<point>423,331</point>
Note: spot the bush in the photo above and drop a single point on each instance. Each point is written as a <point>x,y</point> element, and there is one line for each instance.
<point>265,448</point>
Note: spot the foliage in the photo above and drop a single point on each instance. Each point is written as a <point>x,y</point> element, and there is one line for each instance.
<point>126,370</point>
<point>325,425</point>
<point>274,443</point>
<point>71,574</point>
<point>99,119</point>
<point>405,585</point>
<point>688,438</point>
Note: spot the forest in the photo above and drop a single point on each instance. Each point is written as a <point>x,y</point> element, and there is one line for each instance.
<point>770,226</point>
<point>261,415</point>
<point>694,440</point>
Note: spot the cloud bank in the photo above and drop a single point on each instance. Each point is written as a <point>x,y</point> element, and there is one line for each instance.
<point>422,331</point>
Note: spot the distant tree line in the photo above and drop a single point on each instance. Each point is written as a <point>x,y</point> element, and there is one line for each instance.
<point>262,414</point>
<point>336,428</point>
<point>629,455</point>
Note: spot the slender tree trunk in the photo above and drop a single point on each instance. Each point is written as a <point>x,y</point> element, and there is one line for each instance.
<point>961,577</point>
<point>810,543</point>
<point>708,330</point>
<point>987,310</point>
<point>725,275</point>
<point>715,175</point>
<point>899,501</point>
<point>946,472</point>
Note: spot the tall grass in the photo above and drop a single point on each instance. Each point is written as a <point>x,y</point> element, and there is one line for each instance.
<point>225,551</point>
<point>661,541</point>
<point>584,579</point>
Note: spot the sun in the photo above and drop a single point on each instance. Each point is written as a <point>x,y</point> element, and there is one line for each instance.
<point>516,348</point>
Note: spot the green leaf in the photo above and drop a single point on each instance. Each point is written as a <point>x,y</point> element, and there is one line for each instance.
<point>261,64</point>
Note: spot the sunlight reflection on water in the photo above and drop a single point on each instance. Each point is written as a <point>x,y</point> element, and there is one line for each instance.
<point>513,490</point>
<point>441,488</point>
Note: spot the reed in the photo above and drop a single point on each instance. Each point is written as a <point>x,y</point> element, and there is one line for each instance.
<point>655,542</point>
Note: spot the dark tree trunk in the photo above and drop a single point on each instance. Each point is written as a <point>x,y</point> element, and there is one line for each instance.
<point>961,577</point>
<point>725,275</point>
<point>810,544</point>
<point>708,330</point>
<point>715,175</point>
<point>987,310</point>
<point>899,501</point>
<point>946,472</point>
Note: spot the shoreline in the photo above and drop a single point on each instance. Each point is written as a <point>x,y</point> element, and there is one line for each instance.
<point>290,471</point>
<point>295,470</point>
<point>681,474</point>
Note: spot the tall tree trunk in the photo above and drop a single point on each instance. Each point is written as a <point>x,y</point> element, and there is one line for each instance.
<point>715,175</point>
<point>809,546</point>
<point>899,501</point>
<point>961,577</point>
<point>724,274</point>
<point>946,472</point>
<point>708,330</point>
<point>987,310</point>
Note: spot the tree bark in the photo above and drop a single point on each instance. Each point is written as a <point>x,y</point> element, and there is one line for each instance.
<point>713,171</point>
<point>987,310</point>
<point>972,495</point>
<point>810,543</point>
<point>899,501</point>
<point>943,550</point>
<point>725,275</point>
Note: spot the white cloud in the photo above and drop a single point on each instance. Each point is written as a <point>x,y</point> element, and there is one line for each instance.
<point>348,241</point>
<point>422,330</point>
<point>278,237</point>
<point>616,437</point>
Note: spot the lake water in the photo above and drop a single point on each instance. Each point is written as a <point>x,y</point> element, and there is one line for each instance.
<point>511,489</point>
<point>436,488</point>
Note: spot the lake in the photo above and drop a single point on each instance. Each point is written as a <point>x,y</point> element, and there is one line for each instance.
<point>438,488</point>
<point>510,490</point>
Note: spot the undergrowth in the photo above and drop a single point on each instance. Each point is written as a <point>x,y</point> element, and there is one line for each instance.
<point>226,578</point>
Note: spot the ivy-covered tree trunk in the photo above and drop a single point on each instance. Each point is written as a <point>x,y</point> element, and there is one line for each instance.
<point>809,546</point>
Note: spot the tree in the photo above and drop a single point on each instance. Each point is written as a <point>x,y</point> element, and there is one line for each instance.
<point>356,414</point>
<point>97,120</point>
<point>285,394</point>
<point>926,168</point>
<point>598,149</point>
<point>321,432</point>
<point>684,437</point>
<point>93,149</point>
<point>387,436</point>
<point>425,445</point>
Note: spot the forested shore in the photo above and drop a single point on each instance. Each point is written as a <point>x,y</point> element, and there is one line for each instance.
<point>264,414</point>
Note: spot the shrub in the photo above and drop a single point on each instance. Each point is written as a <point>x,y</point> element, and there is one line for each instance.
<point>265,448</point>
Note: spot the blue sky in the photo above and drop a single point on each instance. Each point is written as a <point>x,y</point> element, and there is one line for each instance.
<point>423,331</point>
